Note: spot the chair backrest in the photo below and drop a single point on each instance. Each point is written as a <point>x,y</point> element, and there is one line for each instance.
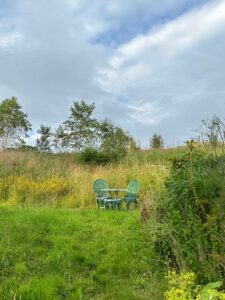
<point>133,187</point>
<point>98,185</point>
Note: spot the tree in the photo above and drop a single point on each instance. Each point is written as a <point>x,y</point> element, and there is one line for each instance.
<point>14,125</point>
<point>114,140</point>
<point>44,142</point>
<point>60,139</point>
<point>156,141</point>
<point>81,128</point>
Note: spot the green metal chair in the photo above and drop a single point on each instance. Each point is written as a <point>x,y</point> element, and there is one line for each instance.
<point>132,190</point>
<point>101,196</point>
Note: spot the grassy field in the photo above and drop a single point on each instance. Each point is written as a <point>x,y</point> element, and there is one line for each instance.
<point>42,179</point>
<point>51,254</point>
<point>55,244</point>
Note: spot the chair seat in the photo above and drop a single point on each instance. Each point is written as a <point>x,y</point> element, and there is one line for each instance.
<point>130,197</point>
<point>112,201</point>
<point>100,200</point>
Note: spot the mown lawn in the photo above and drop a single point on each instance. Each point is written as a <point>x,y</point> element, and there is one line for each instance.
<point>65,254</point>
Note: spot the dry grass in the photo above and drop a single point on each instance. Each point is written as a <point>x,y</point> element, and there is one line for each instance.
<point>36,179</point>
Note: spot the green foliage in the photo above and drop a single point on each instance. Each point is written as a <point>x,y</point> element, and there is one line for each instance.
<point>114,140</point>
<point>81,127</point>
<point>65,254</point>
<point>113,144</point>
<point>14,124</point>
<point>93,156</point>
<point>183,287</point>
<point>193,216</point>
<point>156,141</point>
<point>44,142</point>
<point>59,141</point>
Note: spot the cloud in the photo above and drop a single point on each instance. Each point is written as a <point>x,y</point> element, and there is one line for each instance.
<point>47,61</point>
<point>120,20</point>
<point>149,65</point>
<point>173,74</point>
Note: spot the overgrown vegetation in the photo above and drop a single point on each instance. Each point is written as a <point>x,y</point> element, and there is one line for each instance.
<point>190,218</point>
<point>58,180</point>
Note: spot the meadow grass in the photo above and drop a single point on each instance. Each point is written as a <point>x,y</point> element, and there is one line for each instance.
<point>49,253</point>
<point>42,179</point>
<point>84,254</point>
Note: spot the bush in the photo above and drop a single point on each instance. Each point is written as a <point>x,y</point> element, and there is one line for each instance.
<point>92,156</point>
<point>183,287</point>
<point>192,216</point>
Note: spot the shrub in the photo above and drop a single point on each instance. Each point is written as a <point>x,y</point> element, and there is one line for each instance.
<point>93,156</point>
<point>192,216</point>
<point>183,287</point>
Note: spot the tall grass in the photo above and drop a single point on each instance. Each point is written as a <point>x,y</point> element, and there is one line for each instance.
<point>35,179</point>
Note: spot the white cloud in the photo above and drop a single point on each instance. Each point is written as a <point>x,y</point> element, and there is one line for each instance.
<point>175,70</point>
<point>147,113</point>
<point>9,40</point>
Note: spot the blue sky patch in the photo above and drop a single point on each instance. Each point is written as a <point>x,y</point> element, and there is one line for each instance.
<point>127,28</point>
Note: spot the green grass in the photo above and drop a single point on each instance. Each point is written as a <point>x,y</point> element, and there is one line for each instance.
<point>87,254</point>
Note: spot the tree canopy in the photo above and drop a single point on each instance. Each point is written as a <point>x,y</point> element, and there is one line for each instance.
<point>14,125</point>
<point>44,142</point>
<point>81,127</point>
<point>156,141</point>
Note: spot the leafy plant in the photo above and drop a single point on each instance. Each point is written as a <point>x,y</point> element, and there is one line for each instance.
<point>184,287</point>
<point>193,215</point>
<point>93,156</point>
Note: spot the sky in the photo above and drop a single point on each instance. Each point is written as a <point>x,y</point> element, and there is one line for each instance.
<point>150,66</point>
